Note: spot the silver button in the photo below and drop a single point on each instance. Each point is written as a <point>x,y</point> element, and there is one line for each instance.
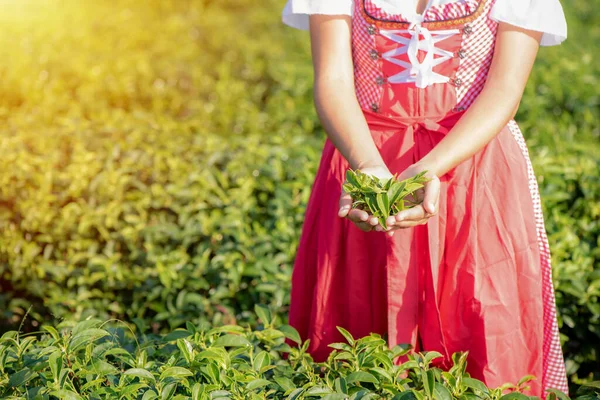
<point>374,107</point>
<point>468,29</point>
<point>458,109</point>
<point>371,29</point>
<point>374,54</point>
<point>458,82</point>
<point>380,80</point>
<point>461,53</point>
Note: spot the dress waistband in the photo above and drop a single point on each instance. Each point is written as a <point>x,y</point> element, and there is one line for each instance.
<point>443,124</point>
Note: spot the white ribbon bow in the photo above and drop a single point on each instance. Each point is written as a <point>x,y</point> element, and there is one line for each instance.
<point>419,73</point>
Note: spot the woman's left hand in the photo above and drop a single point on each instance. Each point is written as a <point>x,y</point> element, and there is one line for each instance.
<point>428,198</point>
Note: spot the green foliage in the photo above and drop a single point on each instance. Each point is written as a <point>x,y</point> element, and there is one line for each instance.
<point>143,180</point>
<point>382,197</point>
<point>96,360</point>
<point>157,158</point>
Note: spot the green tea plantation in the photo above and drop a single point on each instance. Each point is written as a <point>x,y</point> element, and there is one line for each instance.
<point>156,160</point>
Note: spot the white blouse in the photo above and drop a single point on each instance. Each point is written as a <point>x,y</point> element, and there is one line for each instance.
<point>545,16</point>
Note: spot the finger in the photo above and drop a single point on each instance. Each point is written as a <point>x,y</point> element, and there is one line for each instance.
<point>415,213</point>
<point>380,228</point>
<point>390,222</point>
<point>410,223</point>
<point>406,224</point>
<point>431,195</point>
<point>345,204</point>
<point>363,226</point>
<point>437,205</point>
<point>357,215</point>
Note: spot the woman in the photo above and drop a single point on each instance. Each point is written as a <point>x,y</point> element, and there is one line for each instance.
<point>404,86</point>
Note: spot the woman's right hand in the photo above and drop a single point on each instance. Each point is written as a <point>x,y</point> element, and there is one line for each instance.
<point>361,218</point>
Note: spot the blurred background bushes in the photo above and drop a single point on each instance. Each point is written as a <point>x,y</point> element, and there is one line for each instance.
<point>157,157</point>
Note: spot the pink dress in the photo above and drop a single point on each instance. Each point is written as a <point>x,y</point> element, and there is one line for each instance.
<point>477,276</point>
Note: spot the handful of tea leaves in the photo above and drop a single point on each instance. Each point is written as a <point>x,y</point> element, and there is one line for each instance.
<point>382,197</point>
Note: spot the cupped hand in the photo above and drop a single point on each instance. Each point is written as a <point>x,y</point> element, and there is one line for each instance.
<point>427,197</point>
<point>361,218</point>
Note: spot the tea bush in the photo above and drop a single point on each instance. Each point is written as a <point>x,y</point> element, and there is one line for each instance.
<point>150,183</point>
<point>158,156</point>
<point>96,360</point>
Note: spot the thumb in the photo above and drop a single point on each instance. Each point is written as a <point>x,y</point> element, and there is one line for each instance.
<point>345,204</point>
<point>432,193</point>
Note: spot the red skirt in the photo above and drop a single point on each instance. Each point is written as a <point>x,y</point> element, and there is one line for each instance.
<point>475,278</point>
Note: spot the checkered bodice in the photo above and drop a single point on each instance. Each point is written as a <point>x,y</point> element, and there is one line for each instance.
<point>430,66</point>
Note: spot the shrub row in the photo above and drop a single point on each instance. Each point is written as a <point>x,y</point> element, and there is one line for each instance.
<point>96,360</point>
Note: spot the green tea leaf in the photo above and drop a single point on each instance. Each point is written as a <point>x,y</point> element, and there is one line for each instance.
<point>431,355</point>
<point>371,200</point>
<point>475,384</point>
<point>197,389</point>
<point>168,391</point>
<point>261,360</point>
<point>557,394</point>
<point>227,329</point>
<point>396,191</point>
<point>177,334</point>
<point>56,362</point>
<point>352,178</point>
<point>213,372</point>
<point>52,331</point>
<point>84,337</point>
<point>263,313</point>
<point>346,334</point>
<point>101,367</point>
<point>21,377</point>
<point>290,332</point>
<point>131,389</point>
<point>388,184</point>
<point>295,394</point>
<point>593,384</point>
<point>341,385</point>
<point>449,379</point>
<point>382,372</point>
<point>346,355</point>
<point>175,373</point>
<point>285,383</point>
<point>150,395</point>
<point>231,340</point>
<point>64,394</point>
<point>428,382</point>
<point>514,396</point>
<point>257,383</point>
<point>361,376</point>
<point>526,378</point>
<point>318,390</point>
<point>384,204</point>
<point>411,187</point>
<point>140,373</point>
<point>349,188</point>
<point>335,396</point>
<point>408,395</point>
<point>440,392</point>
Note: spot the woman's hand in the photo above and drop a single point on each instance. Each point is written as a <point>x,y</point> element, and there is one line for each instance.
<point>361,218</point>
<point>428,198</point>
